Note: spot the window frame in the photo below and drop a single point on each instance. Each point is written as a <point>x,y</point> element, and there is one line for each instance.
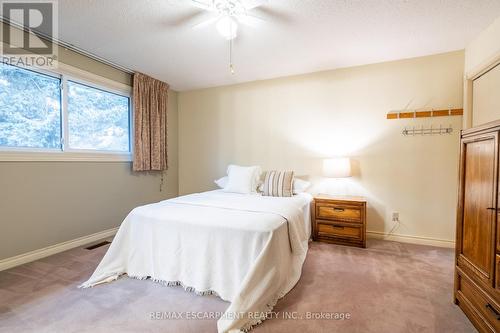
<point>65,116</point>
<point>68,73</point>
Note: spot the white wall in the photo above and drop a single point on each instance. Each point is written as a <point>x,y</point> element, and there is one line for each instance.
<point>483,49</point>
<point>294,122</point>
<point>481,53</point>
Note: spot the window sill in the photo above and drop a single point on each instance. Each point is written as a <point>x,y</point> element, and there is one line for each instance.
<point>56,156</point>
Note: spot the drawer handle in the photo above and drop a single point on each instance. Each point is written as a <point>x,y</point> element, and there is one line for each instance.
<point>491,208</point>
<point>338,209</point>
<point>493,311</point>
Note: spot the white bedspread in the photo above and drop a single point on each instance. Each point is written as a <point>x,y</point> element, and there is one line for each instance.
<point>248,249</point>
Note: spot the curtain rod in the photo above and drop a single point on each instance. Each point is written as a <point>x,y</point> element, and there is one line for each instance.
<point>68,46</point>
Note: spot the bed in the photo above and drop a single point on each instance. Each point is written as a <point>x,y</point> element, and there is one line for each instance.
<point>248,249</point>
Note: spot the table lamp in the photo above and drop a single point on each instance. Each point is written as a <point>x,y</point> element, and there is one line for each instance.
<point>339,167</point>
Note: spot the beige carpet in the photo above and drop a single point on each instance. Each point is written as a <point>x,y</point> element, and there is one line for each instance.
<point>388,287</point>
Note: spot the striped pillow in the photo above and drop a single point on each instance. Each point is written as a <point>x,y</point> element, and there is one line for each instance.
<point>278,184</point>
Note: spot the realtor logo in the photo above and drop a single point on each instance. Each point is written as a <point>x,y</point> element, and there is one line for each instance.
<point>27,39</point>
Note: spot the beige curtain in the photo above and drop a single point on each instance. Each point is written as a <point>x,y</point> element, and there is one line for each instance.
<point>150,123</point>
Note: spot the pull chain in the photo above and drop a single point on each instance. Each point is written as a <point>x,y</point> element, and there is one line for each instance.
<point>231,67</point>
<point>161,181</point>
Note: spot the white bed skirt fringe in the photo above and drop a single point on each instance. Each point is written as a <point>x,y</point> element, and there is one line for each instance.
<point>248,327</point>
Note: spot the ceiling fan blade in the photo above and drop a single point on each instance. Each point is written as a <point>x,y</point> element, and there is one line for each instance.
<point>250,20</point>
<point>186,19</point>
<point>202,5</point>
<point>273,15</point>
<point>205,23</point>
<point>251,4</point>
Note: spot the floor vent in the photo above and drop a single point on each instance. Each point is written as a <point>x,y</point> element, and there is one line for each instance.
<point>95,246</point>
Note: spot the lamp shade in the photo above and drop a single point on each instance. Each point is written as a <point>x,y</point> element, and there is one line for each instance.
<point>339,167</point>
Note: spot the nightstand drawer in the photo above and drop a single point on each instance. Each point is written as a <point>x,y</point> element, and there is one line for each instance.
<point>338,212</point>
<point>333,230</point>
<point>339,220</point>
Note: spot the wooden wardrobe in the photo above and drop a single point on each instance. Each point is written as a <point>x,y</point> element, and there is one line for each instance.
<point>477,273</point>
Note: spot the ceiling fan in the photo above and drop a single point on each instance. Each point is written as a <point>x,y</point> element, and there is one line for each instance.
<point>227,15</point>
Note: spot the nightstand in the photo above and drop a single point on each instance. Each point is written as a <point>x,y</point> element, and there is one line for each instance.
<point>339,220</point>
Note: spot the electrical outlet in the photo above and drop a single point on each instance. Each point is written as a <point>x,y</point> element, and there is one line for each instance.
<point>395,216</point>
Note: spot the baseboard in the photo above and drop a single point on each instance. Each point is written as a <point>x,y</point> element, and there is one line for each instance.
<point>61,247</point>
<point>53,249</point>
<point>412,239</point>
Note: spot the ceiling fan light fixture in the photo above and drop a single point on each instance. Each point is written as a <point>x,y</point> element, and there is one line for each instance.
<point>227,27</point>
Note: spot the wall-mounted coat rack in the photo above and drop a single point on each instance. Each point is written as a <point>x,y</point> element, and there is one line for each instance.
<point>424,114</point>
<point>427,130</point>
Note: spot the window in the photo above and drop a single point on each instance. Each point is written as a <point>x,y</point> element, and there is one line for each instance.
<point>52,113</point>
<point>97,119</point>
<point>30,109</point>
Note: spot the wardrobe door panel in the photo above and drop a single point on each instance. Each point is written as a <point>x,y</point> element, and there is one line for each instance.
<point>477,251</point>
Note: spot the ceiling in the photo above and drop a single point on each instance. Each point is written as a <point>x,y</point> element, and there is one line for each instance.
<point>297,36</point>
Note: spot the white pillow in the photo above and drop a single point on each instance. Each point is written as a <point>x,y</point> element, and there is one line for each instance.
<point>300,185</point>
<point>242,179</point>
<point>221,182</point>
